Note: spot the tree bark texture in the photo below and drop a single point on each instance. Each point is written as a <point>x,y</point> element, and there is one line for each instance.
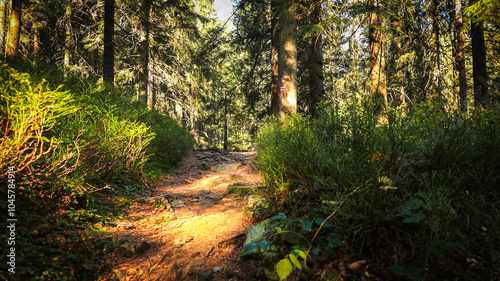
<point>275,108</point>
<point>144,51</point>
<point>68,42</point>
<point>316,63</point>
<point>14,29</point>
<point>287,60</point>
<point>108,62</point>
<point>436,49</point>
<point>479,69</point>
<point>378,86</point>
<point>3,16</point>
<point>459,57</point>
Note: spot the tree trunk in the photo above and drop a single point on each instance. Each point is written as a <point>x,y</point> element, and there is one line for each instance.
<point>287,60</point>
<point>316,63</point>
<point>37,44</point>
<point>108,62</point>
<point>479,69</point>
<point>377,60</point>
<point>151,93</point>
<point>144,51</point>
<point>67,43</point>
<point>3,16</point>
<point>459,57</point>
<point>436,48</point>
<point>14,29</point>
<point>275,108</point>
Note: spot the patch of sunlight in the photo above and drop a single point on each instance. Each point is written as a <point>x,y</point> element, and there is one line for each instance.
<point>209,182</point>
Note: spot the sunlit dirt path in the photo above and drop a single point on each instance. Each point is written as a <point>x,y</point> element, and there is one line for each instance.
<point>193,224</point>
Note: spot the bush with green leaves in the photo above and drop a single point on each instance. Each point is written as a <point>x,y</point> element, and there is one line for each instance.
<point>29,110</point>
<point>407,186</point>
<point>71,143</point>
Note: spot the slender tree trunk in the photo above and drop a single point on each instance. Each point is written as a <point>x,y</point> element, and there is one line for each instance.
<point>287,60</point>
<point>68,42</point>
<point>316,63</point>
<point>275,108</point>
<point>479,69</point>
<point>378,86</point>
<point>436,49</point>
<point>108,62</point>
<point>151,93</point>
<point>144,51</point>
<point>459,57</point>
<point>14,29</point>
<point>37,44</point>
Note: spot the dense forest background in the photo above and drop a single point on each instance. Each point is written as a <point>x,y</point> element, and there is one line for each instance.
<point>381,117</point>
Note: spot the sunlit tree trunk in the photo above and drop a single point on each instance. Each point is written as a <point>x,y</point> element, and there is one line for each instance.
<point>151,93</point>
<point>68,42</point>
<point>3,16</point>
<point>316,62</point>
<point>459,57</point>
<point>378,87</point>
<point>108,63</point>
<point>287,60</point>
<point>275,108</point>
<point>479,69</point>
<point>37,44</point>
<point>144,51</point>
<point>14,29</point>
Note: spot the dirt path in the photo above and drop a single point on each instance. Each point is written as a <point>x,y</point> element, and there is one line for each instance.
<point>193,224</point>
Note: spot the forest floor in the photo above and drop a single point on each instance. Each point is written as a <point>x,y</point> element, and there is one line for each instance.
<point>192,225</point>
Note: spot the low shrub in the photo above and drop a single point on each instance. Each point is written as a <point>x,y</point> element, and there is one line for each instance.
<point>404,186</point>
<point>76,148</point>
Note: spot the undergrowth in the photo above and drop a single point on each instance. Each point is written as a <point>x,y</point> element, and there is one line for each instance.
<point>80,151</point>
<point>413,192</point>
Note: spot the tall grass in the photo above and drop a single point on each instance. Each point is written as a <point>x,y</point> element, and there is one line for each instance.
<point>421,179</point>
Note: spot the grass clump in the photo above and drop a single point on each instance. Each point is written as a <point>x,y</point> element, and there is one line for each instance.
<point>413,191</point>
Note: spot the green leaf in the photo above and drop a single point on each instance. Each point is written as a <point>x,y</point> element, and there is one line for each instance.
<point>284,268</point>
<point>250,246</point>
<point>316,251</point>
<point>263,244</point>
<point>295,261</point>
<point>327,224</point>
<point>306,224</point>
<point>302,254</point>
<point>280,216</point>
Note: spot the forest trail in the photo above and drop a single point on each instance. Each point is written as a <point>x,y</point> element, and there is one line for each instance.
<point>193,224</point>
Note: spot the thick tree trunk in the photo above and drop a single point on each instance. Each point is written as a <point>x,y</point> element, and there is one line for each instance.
<point>3,16</point>
<point>459,57</point>
<point>108,62</point>
<point>144,51</point>
<point>480,73</point>
<point>287,60</point>
<point>378,86</point>
<point>14,29</point>
<point>275,108</point>
<point>316,63</point>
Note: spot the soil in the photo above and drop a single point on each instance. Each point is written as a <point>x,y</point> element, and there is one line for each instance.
<point>192,226</point>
